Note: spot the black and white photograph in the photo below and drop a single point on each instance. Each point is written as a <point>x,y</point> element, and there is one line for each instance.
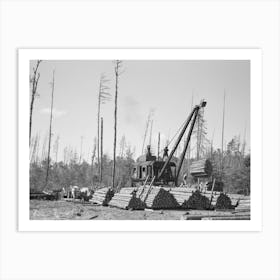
<point>139,140</point>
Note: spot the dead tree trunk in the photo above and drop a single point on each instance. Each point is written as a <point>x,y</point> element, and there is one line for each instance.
<point>151,133</point>
<point>101,151</point>
<point>81,150</point>
<point>34,83</point>
<point>50,134</point>
<point>222,146</point>
<point>149,120</point>
<point>92,160</point>
<point>117,73</point>
<point>43,154</point>
<point>34,149</point>
<point>98,131</point>
<point>55,147</point>
<point>103,96</point>
<point>158,154</point>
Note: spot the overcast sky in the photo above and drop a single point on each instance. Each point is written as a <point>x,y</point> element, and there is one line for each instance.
<point>165,86</point>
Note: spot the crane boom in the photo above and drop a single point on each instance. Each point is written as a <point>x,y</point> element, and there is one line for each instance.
<point>194,113</point>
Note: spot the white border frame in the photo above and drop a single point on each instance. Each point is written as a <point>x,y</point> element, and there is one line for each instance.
<point>254,55</point>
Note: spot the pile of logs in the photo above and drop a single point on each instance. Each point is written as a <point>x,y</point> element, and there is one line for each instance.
<point>201,168</point>
<point>127,201</point>
<point>197,201</point>
<point>243,204</point>
<point>182,195</point>
<point>224,202</point>
<point>102,196</point>
<point>151,197</point>
<point>158,198</point>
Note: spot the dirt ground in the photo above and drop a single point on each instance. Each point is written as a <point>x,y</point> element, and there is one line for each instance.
<point>65,210</point>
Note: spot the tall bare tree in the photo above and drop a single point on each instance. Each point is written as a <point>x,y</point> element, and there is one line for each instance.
<point>50,133</point>
<point>222,144</point>
<point>65,156</point>
<point>244,142</point>
<point>81,150</point>
<point>103,97</point>
<point>55,147</point>
<point>101,152</point>
<point>92,159</point>
<point>158,151</point>
<point>122,146</point>
<point>118,65</point>
<point>34,148</point>
<point>148,122</point>
<point>43,155</point>
<point>34,79</point>
<point>151,132</point>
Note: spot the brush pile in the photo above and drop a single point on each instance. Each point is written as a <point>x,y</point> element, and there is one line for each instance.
<point>197,201</point>
<point>201,168</point>
<point>224,202</point>
<point>102,196</point>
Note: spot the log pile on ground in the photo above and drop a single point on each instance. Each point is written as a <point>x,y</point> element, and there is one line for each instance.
<point>201,168</point>
<point>102,196</point>
<point>243,205</point>
<point>197,201</point>
<point>127,201</point>
<point>238,199</point>
<point>182,194</point>
<point>158,198</point>
<point>224,202</point>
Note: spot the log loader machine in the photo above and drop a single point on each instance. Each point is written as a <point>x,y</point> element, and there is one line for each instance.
<point>155,171</point>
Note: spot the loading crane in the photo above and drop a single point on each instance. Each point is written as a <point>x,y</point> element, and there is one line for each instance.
<point>149,169</point>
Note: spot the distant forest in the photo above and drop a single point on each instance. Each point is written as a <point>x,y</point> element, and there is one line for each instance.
<point>234,174</point>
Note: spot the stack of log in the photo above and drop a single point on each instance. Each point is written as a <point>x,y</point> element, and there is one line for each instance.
<point>159,198</point>
<point>197,201</point>
<point>224,202</point>
<point>127,190</point>
<point>235,198</point>
<point>243,204</point>
<point>127,201</point>
<point>102,196</point>
<point>182,194</point>
<point>201,168</point>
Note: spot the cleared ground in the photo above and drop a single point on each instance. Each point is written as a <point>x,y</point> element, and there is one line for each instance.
<point>63,210</point>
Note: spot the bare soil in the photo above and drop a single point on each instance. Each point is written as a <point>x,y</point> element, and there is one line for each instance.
<point>66,210</point>
<point>69,210</point>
